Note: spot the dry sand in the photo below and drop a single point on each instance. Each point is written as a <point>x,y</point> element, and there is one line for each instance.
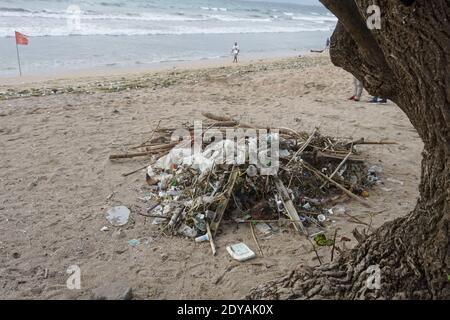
<point>56,181</point>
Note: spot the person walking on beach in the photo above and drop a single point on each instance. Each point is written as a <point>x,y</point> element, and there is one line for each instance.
<point>357,90</point>
<point>235,51</point>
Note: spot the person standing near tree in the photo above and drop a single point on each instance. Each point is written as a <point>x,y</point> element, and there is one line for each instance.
<point>235,51</point>
<point>357,90</point>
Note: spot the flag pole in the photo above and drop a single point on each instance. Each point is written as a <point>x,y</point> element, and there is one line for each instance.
<point>18,59</point>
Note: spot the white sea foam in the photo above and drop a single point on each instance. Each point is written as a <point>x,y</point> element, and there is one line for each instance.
<point>122,18</point>
<point>88,30</point>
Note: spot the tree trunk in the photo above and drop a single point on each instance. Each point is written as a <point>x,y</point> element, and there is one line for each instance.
<point>407,61</point>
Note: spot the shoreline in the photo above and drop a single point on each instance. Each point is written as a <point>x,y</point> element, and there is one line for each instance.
<point>127,71</point>
<point>166,76</point>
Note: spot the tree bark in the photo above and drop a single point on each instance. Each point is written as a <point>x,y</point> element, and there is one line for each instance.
<point>407,61</point>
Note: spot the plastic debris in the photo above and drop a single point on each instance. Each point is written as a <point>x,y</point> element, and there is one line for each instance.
<point>118,216</point>
<point>307,174</point>
<point>187,231</point>
<point>240,252</point>
<point>199,222</point>
<point>134,242</point>
<point>339,209</point>
<point>202,238</point>
<point>264,228</point>
<point>252,171</point>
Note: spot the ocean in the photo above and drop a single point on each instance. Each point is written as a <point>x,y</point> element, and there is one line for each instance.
<point>81,35</point>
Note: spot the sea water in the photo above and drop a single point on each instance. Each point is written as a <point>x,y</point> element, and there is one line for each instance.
<point>76,35</point>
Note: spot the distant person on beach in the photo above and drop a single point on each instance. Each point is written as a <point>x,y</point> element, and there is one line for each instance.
<point>357,90</point>
<point>327,44</point>
<point>235,51</point>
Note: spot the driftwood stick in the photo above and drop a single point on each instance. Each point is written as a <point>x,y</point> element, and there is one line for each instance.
<point>378,142</point>
<point>363,141</point>
<point>152,216</point>
<point>357,220</point>
<point>151,137</point>
<point>224,202</point>
<point>289,206</point>
<point>304,146</point>
<point>216,117</point>
<point>286,131</point>
<point>337,168</point>
<point>211,240</point>
<point>150,150</point>
<point>215,125</point>
<point>334,244</point>
<point>263,221</point>
<point>315,250</point>
<point>339,156</point>
<point>339,186</point>
<point>134,171</point>
<point>256,239</point>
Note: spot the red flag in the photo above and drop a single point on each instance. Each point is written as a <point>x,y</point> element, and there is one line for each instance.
<point>21,39</point>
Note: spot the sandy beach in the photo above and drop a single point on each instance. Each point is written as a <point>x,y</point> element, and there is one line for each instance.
<point>56,181</point>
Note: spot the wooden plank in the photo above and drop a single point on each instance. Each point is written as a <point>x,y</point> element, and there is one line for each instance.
<point>224,202</point>
<point>289,205</point>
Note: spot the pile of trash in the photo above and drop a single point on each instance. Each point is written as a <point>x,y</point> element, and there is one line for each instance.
<point>283,175</point>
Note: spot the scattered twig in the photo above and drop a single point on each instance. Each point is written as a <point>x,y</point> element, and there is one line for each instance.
<point>256,239</point>
<point>211,240</point>
<point>334,244</point>
<point>151,137</point>
<point>362,141</point>
<point>346,191</point>
<point>134,171</point>
<point>303,147</point>
<point>224,202</point>
<point>288,205</point>
<point>338,167</point>
<point>150,150</point>
<point>314,248</point>
<point>286,131</point>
